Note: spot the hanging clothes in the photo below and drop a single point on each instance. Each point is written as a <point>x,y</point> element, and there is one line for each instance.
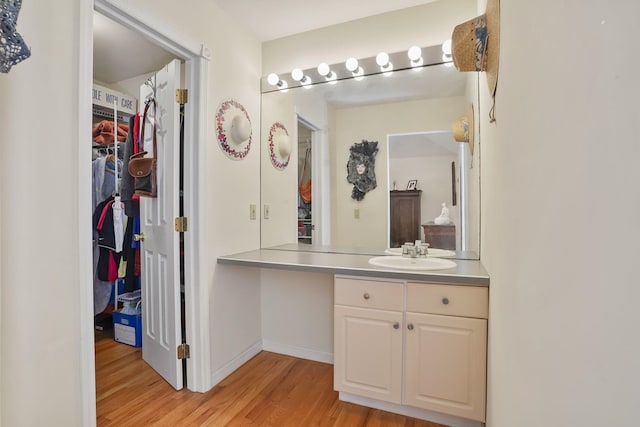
<point>118,223</point>
<point>98,179</point>
<point>127,188</point>
<point>108,259</point>
<point>304,188</point>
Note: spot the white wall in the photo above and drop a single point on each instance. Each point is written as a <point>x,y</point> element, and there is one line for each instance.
<point>560,216</point>
<point>279,186</point>
<point>39,122</point>
<point>426,25</point>
<point>42,205</point>
<point>231,186</point>
<point>297,314</point>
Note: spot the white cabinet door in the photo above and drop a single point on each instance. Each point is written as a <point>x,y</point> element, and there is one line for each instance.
<point>368,352</point>
<point>160,276</point>
<point>445,364</point>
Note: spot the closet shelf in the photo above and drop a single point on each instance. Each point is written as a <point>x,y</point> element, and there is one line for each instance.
<point>105,114</point>
<point>130,296</point>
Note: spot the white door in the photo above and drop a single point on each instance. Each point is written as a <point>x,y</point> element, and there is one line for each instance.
<point>160,262</point>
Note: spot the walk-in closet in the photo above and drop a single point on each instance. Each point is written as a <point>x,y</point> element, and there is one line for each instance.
<point>124,124</point>
<point>116,254</point>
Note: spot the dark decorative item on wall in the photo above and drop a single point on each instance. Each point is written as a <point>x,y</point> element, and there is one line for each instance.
<point>12,47</point>
<point>279,146</point>
<point>412,184</point>
<point>233,129</point>
<point>361,168</point>
<point>475,46</point>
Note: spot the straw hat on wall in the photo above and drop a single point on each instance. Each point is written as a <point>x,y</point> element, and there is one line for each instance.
<point>475,44</point>
<point>463,129</point>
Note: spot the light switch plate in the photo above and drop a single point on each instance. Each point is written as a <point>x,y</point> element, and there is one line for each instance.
<point>266,211</point>
<point>252,212</point>
<point>356,213</point>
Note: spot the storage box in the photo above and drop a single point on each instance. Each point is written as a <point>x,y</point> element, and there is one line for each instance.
<point>127,329</point>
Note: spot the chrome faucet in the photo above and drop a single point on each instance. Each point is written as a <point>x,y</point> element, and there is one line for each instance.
<point>409,250</point>
<point>416,250</point>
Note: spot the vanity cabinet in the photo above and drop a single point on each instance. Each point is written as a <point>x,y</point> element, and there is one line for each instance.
<point>368,316</point>
<point>404,217</point>
<point>427,350</point>
<point>446,349</point>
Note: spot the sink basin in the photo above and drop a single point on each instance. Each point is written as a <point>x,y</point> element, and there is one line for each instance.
<point>433,252</point>
<point>404,263</point>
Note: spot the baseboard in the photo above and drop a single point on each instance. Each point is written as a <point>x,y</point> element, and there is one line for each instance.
<point>235,363</point>
<point>409,411</point>
<point>295,351</point>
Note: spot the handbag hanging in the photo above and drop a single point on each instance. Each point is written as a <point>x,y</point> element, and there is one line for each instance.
<point>144,169</point>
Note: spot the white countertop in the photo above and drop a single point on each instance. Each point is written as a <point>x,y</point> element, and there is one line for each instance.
<point>467,272</point>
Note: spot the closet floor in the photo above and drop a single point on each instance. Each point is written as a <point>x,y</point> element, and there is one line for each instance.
<point>269,390</point>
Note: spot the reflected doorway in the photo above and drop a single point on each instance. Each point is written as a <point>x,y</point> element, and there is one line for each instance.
<point>305,162</point>
<point>429,162</point>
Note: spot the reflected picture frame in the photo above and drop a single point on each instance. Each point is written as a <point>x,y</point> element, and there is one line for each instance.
<point>412,184</point>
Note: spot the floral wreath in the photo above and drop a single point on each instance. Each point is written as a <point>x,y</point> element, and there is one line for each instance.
<point>221,133</point>
<point>275,159</point>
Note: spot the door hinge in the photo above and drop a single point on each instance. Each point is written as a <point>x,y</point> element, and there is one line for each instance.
<point>184,352</point>
<point>182,96</point>
<point>181,224</point>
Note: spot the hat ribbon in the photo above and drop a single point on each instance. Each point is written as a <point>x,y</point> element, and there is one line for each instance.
<point>481,42</point>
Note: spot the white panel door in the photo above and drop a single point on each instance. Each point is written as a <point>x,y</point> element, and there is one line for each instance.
<point>160,273</point>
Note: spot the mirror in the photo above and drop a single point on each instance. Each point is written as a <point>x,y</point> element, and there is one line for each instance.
<point>409,113</point>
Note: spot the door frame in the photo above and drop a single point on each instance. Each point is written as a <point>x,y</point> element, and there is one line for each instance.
<point>196,58</point>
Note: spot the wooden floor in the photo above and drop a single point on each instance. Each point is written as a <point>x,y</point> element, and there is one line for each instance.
<point>269,390</point>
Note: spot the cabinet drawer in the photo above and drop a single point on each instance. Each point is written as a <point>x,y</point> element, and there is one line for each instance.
<point>368,293</point>
<point>452,300</point>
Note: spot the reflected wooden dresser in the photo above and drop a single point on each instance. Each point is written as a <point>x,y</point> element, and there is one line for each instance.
<point>440,236</point>
<point>404,217</point>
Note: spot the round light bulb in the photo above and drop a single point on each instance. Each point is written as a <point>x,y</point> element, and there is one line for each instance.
<point>414,53</point>
<point>324,69</point>
<point>297,74</point>
<point>446,47</point>
<point>352,64</point>
<point>382,59</point>
<point>273,79</point>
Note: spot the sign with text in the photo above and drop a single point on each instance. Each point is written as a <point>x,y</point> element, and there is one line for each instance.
<point>104,97</point>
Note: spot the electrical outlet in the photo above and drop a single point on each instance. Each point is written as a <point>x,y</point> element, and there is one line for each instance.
<point>266,211</point>
<point>356,213</point>
<point>252,212</point>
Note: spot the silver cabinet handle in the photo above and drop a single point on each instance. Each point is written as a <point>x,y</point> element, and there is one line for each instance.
<point>445,300</point>
<point>396,325</point>
<point>410,326</point>
<point>366,296</point>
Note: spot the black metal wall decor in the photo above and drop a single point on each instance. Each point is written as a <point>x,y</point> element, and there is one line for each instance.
<point>361,168</point>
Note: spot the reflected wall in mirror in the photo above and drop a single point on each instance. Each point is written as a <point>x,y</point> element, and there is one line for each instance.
<point>409,108</point>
